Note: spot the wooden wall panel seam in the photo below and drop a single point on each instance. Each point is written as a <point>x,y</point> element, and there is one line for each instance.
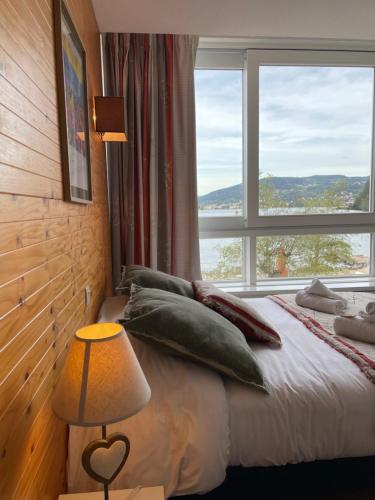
<point>15,75</point>
<point>22,106</point>
<point>58,338</point>
<point>15,180</point>
<point>15,154</point>
<point>24,260</point>
<point>22,59</point>
<point>21,131</point>
<point>13,23</point>
<point>15,235</point>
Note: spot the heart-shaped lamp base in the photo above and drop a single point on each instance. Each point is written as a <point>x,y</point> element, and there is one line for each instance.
<point>104,458</point>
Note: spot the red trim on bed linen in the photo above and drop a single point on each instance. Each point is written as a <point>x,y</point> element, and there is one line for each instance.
<point>240,315</point>
<point>245,314</point>
<point>365,364</point>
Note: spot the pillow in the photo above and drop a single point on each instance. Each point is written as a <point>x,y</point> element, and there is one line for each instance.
<point>187,328</point>
<point>148,278</point>
<point>236,310</point>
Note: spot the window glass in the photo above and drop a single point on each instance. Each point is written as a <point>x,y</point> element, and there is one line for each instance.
<point>315,139</point>
<point>219,142</point>
<point>222,259</point>
<point>305,256</point>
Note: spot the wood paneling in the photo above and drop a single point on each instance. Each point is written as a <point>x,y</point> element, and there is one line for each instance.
<point>50,250</point>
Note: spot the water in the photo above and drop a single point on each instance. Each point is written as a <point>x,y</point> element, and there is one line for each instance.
<point>210,248</point>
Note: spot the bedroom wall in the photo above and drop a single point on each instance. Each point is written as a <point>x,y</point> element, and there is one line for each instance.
<point>49,249</point>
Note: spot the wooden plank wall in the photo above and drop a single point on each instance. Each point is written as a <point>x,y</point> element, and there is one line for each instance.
<point>49,249</point>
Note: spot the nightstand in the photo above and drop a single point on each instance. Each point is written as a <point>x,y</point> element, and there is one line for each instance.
<point>151,493</point>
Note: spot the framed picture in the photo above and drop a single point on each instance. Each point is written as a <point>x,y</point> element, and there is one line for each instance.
<point>73,108</point>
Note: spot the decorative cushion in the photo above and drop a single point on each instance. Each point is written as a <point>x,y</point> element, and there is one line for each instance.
<point>236,310</point>
<point>149,278</point>
<point>187,328</point>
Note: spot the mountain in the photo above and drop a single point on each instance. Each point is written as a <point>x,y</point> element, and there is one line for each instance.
<point>228,196</point>
<point>290,189</point>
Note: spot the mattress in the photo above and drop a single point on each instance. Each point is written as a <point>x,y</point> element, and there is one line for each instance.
<point>320,405</point>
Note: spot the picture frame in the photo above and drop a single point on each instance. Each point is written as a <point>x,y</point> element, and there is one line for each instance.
<point>72,107</point>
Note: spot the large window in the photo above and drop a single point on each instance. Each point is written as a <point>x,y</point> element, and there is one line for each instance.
<point>285,164</point>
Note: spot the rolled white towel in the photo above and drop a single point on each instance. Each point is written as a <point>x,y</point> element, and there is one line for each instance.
<point>318,303</point>
<point>370,308</point>
<point>369,313</point>
<point>355,328</point>
<point>370,318</point>
<point>319,288</point>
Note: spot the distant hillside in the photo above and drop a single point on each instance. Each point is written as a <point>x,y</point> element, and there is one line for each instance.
<point>291,190</point>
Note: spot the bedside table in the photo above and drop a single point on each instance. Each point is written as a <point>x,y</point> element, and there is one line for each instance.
<point>146,493</point>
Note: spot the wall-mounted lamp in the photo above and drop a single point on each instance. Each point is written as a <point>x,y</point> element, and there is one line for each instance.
<point>109,116</point>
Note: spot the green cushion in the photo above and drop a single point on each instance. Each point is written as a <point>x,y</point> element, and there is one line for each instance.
<point>192,330</point>
<point>148,278</point>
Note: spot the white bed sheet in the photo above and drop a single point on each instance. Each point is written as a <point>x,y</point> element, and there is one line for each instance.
<point>179,440</point>
<point>320,406</point>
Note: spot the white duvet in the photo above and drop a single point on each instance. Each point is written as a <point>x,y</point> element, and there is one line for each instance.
<point>320,406</point>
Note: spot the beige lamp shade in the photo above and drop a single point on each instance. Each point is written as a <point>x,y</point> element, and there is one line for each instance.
<point>102,381</point>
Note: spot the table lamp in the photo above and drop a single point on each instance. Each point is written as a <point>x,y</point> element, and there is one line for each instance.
<point>101,383</point>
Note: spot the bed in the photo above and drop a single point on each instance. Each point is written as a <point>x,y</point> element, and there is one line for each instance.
<point>320,406</point>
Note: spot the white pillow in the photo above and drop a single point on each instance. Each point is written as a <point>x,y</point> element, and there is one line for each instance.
<point>112,309</point>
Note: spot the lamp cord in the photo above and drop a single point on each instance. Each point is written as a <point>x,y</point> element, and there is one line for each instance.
<point>105,486</point>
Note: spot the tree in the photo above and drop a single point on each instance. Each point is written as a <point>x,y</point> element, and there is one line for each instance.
<point>229,265</point>
<point>269,201</point>
<point>362,200</point>
<point>331,200</point>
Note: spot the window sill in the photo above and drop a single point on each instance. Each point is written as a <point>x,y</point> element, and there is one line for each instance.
<point>293,286</point>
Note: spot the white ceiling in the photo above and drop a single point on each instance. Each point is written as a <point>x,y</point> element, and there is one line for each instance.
<point>339,19</point>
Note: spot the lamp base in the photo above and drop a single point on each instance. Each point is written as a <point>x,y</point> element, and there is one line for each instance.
<point>104,458</point>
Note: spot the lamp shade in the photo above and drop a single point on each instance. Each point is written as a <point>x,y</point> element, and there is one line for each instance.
<point>102,381</point>
<point>110,118</point>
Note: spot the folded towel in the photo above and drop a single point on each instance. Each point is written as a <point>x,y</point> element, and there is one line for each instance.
<point>318,303</point>
<point>370,318</point>
<point>370,308</point>
<point>355,328</point>
<point>319,288</point>
<point>369,313</point>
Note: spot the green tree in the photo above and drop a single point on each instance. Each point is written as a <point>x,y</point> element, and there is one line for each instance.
<point>331,200</point>
<point>362,200</point>
<point>269,201</point>
<point>229,265</point>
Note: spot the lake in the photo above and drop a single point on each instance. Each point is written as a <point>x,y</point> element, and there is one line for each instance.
<point>210,248</point>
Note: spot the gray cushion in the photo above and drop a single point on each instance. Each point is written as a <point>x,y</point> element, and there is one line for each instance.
<point>190,329</point>
<point>148,278</point>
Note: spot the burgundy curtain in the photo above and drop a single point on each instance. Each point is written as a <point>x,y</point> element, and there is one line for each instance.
<point>153,187</point>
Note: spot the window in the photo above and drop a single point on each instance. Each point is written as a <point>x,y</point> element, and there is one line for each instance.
<point>285,164</point>
<point>219,149</point>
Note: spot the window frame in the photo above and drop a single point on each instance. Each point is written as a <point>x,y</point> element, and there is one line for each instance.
<point>257,58</point>
<point>252,224</point>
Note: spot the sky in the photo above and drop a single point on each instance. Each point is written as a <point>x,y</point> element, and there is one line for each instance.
<point>312,120</point>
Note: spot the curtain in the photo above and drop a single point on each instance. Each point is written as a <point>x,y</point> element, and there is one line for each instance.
<point>152,177</point>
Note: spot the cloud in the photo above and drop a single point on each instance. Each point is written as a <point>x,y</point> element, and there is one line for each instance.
<point>313,120</point>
